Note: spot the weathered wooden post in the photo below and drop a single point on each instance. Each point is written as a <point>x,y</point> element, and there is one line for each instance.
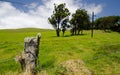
<point>31,50</point>
<point>28,59</point>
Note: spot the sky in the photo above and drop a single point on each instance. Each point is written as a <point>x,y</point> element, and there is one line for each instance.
<point>34,13</point>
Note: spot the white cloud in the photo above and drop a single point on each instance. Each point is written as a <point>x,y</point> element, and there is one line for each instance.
<point>93,8</point>
<point>37,15</point>
<point>32,5</point>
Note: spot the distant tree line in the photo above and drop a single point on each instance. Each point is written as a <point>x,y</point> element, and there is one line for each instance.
<point>80,21</point>
<point>109,23</point>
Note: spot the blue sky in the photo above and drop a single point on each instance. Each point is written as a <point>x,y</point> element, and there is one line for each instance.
<point>34,13</point>
<point>110,7</point>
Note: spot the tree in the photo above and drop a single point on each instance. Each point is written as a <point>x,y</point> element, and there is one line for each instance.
<point>59,13</point>
<point>79,21</point>
<point>108,23</point>
<point>64,24</point>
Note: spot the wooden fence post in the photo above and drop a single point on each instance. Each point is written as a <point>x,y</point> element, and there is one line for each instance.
<point>29,57</point>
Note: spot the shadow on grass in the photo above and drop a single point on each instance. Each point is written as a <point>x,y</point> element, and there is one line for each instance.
<point>70,35</point>
<point>79,34</point>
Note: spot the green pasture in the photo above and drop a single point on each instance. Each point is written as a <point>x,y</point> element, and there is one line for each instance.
<point>101,54</point>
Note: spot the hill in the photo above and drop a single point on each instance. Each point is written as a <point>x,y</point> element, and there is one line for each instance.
<point>100,55</point>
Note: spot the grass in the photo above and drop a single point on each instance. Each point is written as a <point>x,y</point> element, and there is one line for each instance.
<point>100,54</point>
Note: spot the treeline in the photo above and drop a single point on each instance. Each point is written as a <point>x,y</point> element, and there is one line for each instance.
<point>109,23</point>
<point>80,21</point>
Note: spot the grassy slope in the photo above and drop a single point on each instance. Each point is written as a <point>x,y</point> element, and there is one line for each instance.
<point>101,54</point>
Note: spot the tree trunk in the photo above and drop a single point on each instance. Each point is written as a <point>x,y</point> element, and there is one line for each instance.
<point>78,31</point>
<point>58,32</point>
<point>72,31</point>
<point>75,30</point>
<point>81,32</point>
<point>63,30</point>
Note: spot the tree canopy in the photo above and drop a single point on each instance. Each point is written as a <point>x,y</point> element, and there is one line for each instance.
<point>108,23</point>
<point>59,13</point>
<point>80,21</point>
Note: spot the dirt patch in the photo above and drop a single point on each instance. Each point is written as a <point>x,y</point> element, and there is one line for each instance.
<point>43,73</point>
<point>73,67</point>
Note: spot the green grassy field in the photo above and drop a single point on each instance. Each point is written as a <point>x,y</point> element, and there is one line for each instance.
<point>100,54</point>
